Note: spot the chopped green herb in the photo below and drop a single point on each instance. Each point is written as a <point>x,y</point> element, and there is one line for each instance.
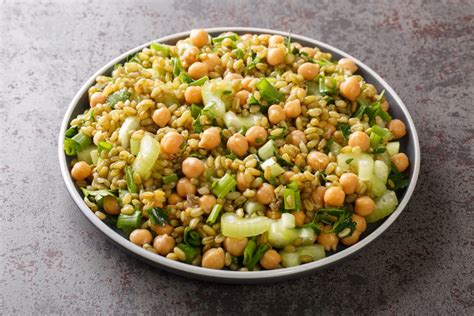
<point>172,178</point>
<point>131,185</point>
<point>397,180</point>
<point>253,100</point>
<point>191,237</point>
<point>200,81</point>
<point>195,111</point>
<point>239,53</point>
<point>268,92</point>
<point>190,252</point>
<point>379,150</point>
<point>345,130</point>
<point>252,254</point>
<point>327,85</point>
<point>119,96</point>
<point>197,128</point>
<point>329,144</point>
<point>158,216</point>
<point>184,78</point>
<point>81,141</point>
<point>161,48</point>
<point>253,63</point>
<point>233,37</point>
<point>348,161</point>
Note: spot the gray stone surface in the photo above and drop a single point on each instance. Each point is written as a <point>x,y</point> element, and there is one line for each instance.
<point>53,261</point>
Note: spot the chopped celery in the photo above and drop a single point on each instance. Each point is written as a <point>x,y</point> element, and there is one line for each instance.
<point>362,163</point>
<point>94,156</point>
<point>382,132</point>
<point>268,92</point>
<point>222,187</point>
<point>147,156</point>
<point>85,155</point>
<point>275,168</point>
<point>215,98</point>
<point>377,186</point>
<point>131,123</point>
<point>234,226</point>
<point>238,122</point>
<point>282,232</point>
<point>214,214</point>
<point>131,185</point>
<point>291,259</point>
<point>161,48</point>
<point>365,168</point>
<point>381,170</point>
<point>384,206</point>
<point>267,150</point>
<point>134,145</point>
<point>375,140</point>
<point>104,146</point>
<point>393,148</point>
<point>251,207</point>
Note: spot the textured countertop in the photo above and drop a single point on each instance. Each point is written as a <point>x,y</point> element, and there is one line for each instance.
<point>53,261</point>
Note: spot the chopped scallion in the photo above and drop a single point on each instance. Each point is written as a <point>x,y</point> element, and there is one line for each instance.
<point>268,92</point>
<point>233,37</point>
<point>214,214</point>
<point>162,48</point>
<point>104,146</point>
<point>131,185</point>
<point>82,141</point>
<point>222,187</point>
<point>129,222</point>
<point>200,81</point>
<point>158,216</point>
<point>70,132</point>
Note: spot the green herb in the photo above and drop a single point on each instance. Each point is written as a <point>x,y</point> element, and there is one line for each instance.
<point>157,216</point>
<point>224,185</point>
<point>177,67</point>
<point>314,227</point>
<point>97,195</point>
<point>379,150</point>
<point>119,96</point>
<point>214,214</point>
<point>323,62</point>
<point>253,100</point>
<point>190,252</point>
<point>117,66</point>
<point>192,237</point>
<point>172,178</point>
<point>195,111</point>
<point>69,147</point>
<point>397,180</point>
<point>197,128</point>
<point>131,185</point>
<point>249,250</point>
<point>161,48</point>
<point>81,141</point>
<point>129,222</point>
<point>345,130</point>
<point>325,88</point>
<point>253,64</point>
<point>268,92</point>
<point>104,146</point>
<point>322,177</point>
<point>252,254</point>
<point>183,77</point>
<point>239,53</point>
<point>132,58</point>
<point>200,81</point>
<point>329,144</point>
<point>233,37</point>
<point>339,218</point>
<point>348,161</point>
<point>288,42</point>
<point>70,132</point>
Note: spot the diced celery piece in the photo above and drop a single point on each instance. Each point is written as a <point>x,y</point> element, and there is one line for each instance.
<point>267,150</point>
<point>365,167</point>
<point>289,259</point>
<point>85,155</point>
<point>130,123</point>
<point>147,156</point>
<point>377,186</point>
<point>393,148</point>
<point>384,206</point>
<point>237,227</point>
<point>94,156</point>
<point>134,146</point>
<point>381,170</point>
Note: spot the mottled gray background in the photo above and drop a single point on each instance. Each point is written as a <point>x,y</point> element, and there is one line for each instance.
<point>53,261</point>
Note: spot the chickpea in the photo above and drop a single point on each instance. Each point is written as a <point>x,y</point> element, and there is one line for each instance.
<point>190,55</point>
<point>212,61</point>
<point>349,182</point>
<point>210,138</point>
<point>273,214</point>
<point>232,76</point>
<point>246,83</point>
<point>274,40</point>
<point>164,244</point>
<point>352,239</point>
<point>384,105</point>
<point>300,217</point>
<point>161,117</point>
<point>199,37</point>
<point>162,230</point>
<point>192,167</point>
<point>207,202</point>
<point>174,199</point>
<point>171,143</point>
<point>214,258</point>
<point>293,108</point>
<point>347,64</point>
<point>350,88</point>
<point>317,160</point>
<point>361,224</point>
<point>364,206</point>
<point>330,129</point>
<point>242,96</point>
<point>360,139</point>
<point>275,56</point>
<point>400,161</point>
<point>242,183</point>
<point>309,71</point>
<point>238,144</point>
<point>140,237</point>
<point>235,246</point>
<point>308,50</point>
<point>328,240</point>
<point>97,98</point>
<point>276,114</point>
<point>334,196</point>
<point>256,135</point>
<point>270,259</point>
<point>185,187</point>
<point>296,137</point>
<point>397,128</point>
<point>198,70</point>
<point>81,170</point>
<point>287,176</point>
<point>111,205</point>
<point>318,196</point>
<point>193,95</point>
<point>265,193</point>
